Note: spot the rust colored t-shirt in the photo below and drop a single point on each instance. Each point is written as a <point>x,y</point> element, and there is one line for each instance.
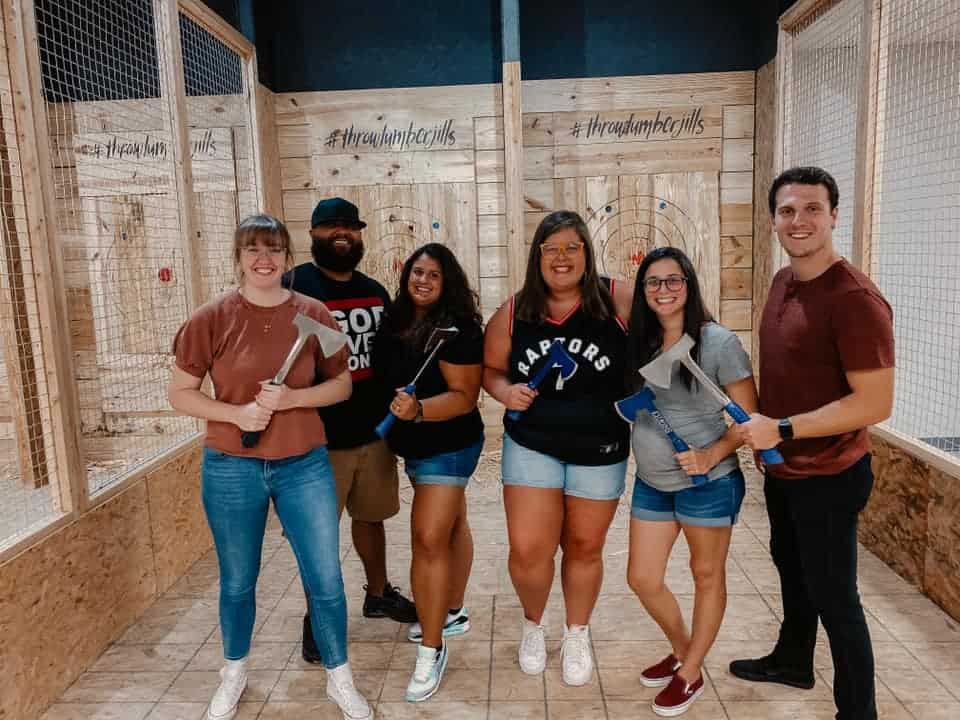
<point>811,334</point>
<point>239,344</point>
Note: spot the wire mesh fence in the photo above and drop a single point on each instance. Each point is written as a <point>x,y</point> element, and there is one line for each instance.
<point>223,182</point>
<point>820,103</point>
<point>118,224</point>
<point>28,461</point>
<point>118,228</point>
<point>917,211</point>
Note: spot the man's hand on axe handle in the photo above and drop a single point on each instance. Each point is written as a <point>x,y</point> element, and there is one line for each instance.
<point>697,461</point>
<point>252,417</point>
<point>276,397</point>
<point>520,397</point>
<point>760,433</point>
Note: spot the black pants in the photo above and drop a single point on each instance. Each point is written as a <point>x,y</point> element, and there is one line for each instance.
<point>813,540</point>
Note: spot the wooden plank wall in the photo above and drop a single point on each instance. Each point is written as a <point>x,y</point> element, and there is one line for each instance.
<point>646,160</point>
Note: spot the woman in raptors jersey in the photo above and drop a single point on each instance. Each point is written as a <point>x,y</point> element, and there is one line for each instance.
<point>565,456</point>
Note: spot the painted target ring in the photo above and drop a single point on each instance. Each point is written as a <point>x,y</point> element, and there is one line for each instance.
<point>625,229</point>
<point>392,234</point>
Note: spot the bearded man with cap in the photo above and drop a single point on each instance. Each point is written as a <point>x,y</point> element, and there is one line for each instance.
<point>365,470</point>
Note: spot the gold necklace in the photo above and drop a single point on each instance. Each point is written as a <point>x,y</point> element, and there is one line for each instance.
<point>268,323</point>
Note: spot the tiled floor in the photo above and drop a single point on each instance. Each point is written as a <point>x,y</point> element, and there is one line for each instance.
<point>164,667</point>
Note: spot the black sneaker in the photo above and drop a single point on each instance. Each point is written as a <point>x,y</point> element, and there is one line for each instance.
<point>391,605</point>
<point>310,652</point>
<point>764,670</point>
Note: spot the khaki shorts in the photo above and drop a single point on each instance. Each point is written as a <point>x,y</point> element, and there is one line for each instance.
<point>367,481</point>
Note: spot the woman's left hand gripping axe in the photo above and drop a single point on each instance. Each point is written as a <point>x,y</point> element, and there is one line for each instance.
<point>437,338</point>
<point>643,401</point>
<point>557,357</point>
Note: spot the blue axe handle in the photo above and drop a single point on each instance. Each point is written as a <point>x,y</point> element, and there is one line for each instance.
<point>532,384</point>
<point>384,427</point>
<point>678,443</point>
<point>771,456</point>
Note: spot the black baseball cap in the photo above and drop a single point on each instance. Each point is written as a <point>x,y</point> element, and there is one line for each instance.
<point>336,210</point>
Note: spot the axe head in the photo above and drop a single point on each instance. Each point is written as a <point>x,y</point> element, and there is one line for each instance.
<point>659,370</point>
<point>558,357</point>
<point>640,401</point>
<point>439,335</point>
<point>330,340</point>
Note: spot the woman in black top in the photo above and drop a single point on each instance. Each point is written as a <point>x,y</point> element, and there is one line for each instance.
<point>439,434</point>
<point>565,456</point>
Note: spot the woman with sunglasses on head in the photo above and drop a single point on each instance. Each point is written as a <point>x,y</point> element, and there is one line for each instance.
<point>668,304</point>
<point>240,340</point>
<point>565,457</point>
<point>439,436</point>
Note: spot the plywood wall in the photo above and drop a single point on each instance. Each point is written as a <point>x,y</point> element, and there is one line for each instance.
<point>663,160</point>
<point>65,599</point>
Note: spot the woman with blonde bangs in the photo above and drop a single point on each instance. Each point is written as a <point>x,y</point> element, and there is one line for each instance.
<point>240,340</point>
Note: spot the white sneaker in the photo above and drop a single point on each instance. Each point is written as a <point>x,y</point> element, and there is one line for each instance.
<point>427,673</point>
<point>342,691</point>
<point>576,660</point>
<point>233,681</point>
<point>455,624</point>
<point>533,648</point>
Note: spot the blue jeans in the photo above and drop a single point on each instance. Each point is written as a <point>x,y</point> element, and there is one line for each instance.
<point>236,496</point>
<point>452,468</point>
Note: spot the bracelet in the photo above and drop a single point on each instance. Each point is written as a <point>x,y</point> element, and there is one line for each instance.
<point>419,416</point>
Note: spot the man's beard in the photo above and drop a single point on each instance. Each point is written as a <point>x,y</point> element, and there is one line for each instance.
<point>326,256</point>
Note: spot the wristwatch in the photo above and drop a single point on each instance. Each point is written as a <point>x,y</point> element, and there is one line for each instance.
<point>419,416</point>
<point>786,429</point>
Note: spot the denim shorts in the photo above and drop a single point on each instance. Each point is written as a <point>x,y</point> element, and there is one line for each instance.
<point>452,468</point>
<point>713,504</point>
<point>529,468</point>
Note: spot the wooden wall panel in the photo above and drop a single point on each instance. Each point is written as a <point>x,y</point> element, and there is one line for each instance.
<point>766,252</point>
<point>609,148</point>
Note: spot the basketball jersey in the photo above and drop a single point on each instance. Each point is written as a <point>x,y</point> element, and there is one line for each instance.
<point>576,423</point>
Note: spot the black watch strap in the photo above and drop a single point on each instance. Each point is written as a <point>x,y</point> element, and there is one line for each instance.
<point>786,429</point>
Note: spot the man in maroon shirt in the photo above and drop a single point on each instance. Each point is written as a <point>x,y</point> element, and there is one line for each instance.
<point>826,373</point>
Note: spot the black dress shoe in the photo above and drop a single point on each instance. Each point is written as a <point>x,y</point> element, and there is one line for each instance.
<point>310,652</point>
<point>764,670</point>
<point>391,605</point>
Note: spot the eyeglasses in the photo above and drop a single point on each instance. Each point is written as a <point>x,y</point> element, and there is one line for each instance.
<point>252,251</point>
<point>552,250</point>
<point>673,283</point>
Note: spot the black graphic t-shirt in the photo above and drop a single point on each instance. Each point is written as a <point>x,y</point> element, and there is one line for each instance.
<point>358,306</point>
<point>576,424</point>
<point>397,362</point>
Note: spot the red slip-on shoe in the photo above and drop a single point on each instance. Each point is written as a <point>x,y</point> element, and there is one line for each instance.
<point>661,674</point>
<point>677,697</point>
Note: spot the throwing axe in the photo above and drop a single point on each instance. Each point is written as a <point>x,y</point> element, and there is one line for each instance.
<point>330,341</point>
<point>660,370</point>
<point>643,401</point>
<point>557,357</point>
<point>437,338</point>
